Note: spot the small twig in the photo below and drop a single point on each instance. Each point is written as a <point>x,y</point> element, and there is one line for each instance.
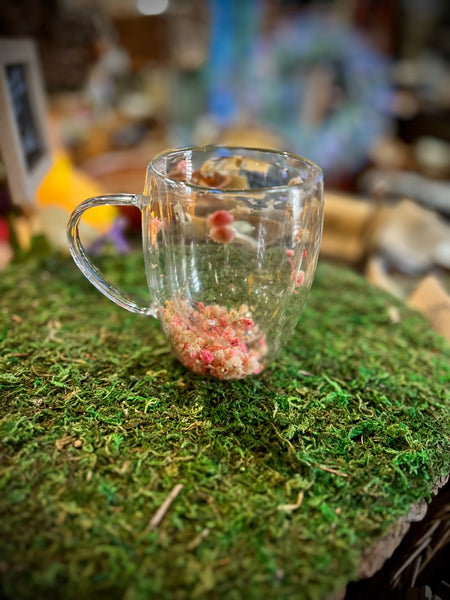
<point>192,426</point>
<point>329,470</point>
<point>416,571</point>
<point>280,437</point>
<point>442,542</point>
<point>292,507</point>
<point>79,361</point>
<point>198,539</point>
<point>171,460</point>
<point>410,559</point>
<point>161,512</point>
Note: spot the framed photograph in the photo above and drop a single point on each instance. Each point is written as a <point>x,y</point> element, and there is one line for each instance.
<point>24,136</point>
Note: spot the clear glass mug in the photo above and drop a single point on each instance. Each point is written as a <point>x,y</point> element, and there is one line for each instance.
<point>231,239</point>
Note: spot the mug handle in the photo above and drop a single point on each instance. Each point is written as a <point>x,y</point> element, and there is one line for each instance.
<point>84,263</point>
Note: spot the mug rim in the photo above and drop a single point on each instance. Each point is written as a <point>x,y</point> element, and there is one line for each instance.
<point>317,171</point>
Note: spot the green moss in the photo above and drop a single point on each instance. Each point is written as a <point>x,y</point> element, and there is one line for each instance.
<point>354,414</point>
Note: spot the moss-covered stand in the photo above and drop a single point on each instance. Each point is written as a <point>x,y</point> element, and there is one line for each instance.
<point>287,478</point>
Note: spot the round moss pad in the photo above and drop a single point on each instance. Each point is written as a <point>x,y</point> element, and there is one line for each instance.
<point>123,475</point>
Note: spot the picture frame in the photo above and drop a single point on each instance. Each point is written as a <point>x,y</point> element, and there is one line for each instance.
<point>24,138</point>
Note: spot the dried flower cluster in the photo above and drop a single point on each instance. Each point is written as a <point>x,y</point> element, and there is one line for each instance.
<point>297,276</point>
<point>221,231</point>
<point>212,340</point>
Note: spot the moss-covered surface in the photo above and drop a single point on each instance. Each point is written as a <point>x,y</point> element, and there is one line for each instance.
<point>98,424</point>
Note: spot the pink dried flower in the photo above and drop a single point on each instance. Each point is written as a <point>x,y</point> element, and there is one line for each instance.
<point>222,234</point>
<point>212,340</point>
<point>298,278</point>
<point>247,323</point>
<point>220,218</point>
<point>182,166</point>
<point>207,356</point>
<point>155,226</point>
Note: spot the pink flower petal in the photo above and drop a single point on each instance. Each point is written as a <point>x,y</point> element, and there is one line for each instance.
<point>222,234</point>
<point>207,357</point>
<point>220,218</point>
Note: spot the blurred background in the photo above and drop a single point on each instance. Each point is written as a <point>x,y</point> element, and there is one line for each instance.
<point>362,87</point>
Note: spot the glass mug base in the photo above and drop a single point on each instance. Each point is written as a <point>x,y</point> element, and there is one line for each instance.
<point>231,239</point>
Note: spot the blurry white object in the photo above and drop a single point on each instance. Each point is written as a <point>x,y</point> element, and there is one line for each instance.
<point>433,156</point>
<point>152,7</point>
<point>414,239</point>
<point>435,194</point>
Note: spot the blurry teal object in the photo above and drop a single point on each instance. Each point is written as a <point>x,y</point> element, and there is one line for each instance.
<point>221,100</point>
<point>278,85</point>
<point>234,26</point>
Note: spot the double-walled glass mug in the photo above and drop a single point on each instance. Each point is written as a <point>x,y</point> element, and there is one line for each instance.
<point>231,240</point>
